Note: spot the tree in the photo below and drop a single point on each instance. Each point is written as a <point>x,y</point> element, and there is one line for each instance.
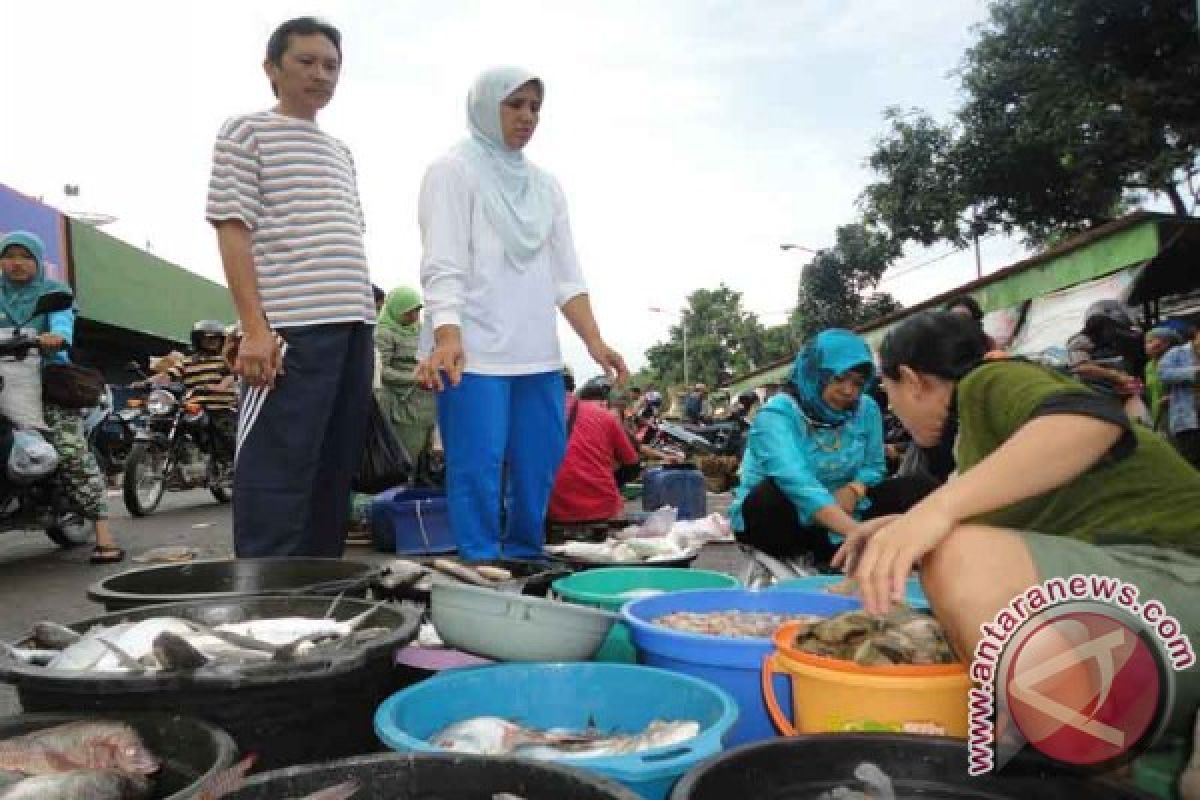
<point>723,340</point>
<point>837,286</point>
<point>1073,109</point>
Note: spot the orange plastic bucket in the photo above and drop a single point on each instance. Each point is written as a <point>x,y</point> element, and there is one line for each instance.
<point>834,696</point>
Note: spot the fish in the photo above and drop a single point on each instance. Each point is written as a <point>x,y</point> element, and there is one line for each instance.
<point>52,636</point>
<point>902,636</point>
<point>82,784</point>
<point>492,736</point>
<point>166,643</point>
<point>402,573</point>
<point>494,574</point>
<point>460,572</point>
<point>495,736</point>
<point>92,744</point>
<point>659,733</point>
<point>877,786</point>
<point>26,655</point>
<point>734,624</point>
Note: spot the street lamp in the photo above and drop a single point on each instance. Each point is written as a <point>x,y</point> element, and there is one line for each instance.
<point>682,324</point>
<point>789,246</point>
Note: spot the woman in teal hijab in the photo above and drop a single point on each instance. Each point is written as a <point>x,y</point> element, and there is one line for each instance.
<point>22,260</point>
<point>410,407</point>
<point>814,451</point>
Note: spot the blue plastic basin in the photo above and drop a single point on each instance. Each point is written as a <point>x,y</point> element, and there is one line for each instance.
<point>819,584</point>
<point>618,697</point>
<point>733,664</point>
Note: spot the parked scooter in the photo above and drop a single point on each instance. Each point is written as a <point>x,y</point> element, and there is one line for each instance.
<point>178,449</point>
<point>35,504</point>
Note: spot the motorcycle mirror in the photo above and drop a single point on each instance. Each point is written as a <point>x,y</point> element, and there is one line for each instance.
<point>53,301</point>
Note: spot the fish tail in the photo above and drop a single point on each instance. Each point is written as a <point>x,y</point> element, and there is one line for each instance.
<point>124,659</point>
<point>227,781</point>
<point>339,792</point>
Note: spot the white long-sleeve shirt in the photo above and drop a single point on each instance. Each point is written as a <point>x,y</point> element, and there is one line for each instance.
<point>507,316</point>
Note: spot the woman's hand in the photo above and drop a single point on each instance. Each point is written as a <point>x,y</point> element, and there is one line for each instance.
<point>847,556</point>
<point>892,551</point>
<point>611,361</point>
<point>447,356</point>
<point>51,342</point>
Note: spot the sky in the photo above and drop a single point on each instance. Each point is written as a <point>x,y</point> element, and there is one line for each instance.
<point>691,137</point>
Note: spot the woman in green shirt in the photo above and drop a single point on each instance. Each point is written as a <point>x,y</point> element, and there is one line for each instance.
<point>1053,480</point>
<point>404,402</point>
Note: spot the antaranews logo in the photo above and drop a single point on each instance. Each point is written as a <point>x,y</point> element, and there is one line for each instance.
<point>1079,669</point>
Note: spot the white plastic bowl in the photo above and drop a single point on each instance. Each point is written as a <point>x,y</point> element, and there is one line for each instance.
<point>514,627</point>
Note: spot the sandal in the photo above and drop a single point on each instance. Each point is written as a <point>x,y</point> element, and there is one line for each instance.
<point>107,554</point>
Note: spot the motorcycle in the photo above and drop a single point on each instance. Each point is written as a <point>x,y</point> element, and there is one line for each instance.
<point>38,504</point>
<point>177,450</point>
<point>112,426</point>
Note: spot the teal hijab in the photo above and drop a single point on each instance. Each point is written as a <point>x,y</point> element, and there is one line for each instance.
<point>517,196</point>
<point>829,354</point>
<point>18,300</point>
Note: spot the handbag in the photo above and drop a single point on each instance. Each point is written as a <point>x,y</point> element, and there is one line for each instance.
<point>71,386</point>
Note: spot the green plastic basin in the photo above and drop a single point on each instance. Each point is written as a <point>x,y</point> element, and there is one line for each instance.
<point>612,587</point>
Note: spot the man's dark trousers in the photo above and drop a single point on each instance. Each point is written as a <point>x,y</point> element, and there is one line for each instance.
<point>300,444</point>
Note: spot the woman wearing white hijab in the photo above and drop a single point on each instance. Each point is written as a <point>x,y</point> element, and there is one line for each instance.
<point>497,261</point>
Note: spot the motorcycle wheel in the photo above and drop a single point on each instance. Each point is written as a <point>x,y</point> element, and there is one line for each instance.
<point>144,486</point>
<point>71,531</point>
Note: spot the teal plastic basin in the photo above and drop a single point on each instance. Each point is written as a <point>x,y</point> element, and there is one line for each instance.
<point>613,587</point>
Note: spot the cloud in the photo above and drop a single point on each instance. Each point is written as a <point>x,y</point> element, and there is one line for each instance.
<point>691,137</point>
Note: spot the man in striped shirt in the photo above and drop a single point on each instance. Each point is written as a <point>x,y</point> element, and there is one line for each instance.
<point>283,198</point>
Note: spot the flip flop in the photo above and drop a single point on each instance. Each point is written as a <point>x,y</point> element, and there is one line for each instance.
<point>105,554</point>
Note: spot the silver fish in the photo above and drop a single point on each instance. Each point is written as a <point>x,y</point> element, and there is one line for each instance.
<point>493,736</point>
<point>52,636</point>
<point>876,786</point>
<point>659,733</point>
<point>497,736</point>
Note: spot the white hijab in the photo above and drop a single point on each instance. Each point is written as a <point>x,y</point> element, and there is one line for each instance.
<point>516,195</point>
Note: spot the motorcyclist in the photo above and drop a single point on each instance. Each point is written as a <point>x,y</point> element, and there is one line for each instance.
<point>208,382</point>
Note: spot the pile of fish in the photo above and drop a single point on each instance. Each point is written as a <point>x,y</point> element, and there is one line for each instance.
<point>172,643</point>
<point>876,786</point>
<point>95,759</point>
<point>902,636</point>
<point>734,624</point>
<point>615,550</point>
<point>401,573</point>
<point>494,736</point>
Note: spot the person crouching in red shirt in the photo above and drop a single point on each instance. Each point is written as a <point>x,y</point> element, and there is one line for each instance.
<point>585,489</point>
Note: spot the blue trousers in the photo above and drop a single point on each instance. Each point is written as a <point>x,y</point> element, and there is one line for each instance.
<point>489,423</point>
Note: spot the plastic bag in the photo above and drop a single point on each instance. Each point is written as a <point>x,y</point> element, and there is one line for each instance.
<point>21,400</point>
<point>31,458</point>
<point>385,463</point>
<point>660,522</point>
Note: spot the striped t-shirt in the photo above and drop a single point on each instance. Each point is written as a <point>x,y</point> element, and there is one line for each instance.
<point>202,377</point>
<point>294,187</point>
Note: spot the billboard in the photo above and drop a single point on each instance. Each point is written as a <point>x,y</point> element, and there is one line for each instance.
<point>21,213</point>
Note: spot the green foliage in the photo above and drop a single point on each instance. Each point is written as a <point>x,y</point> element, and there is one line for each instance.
<point>723,340</point>
<point>1072,110</point>
<point>837,286</point>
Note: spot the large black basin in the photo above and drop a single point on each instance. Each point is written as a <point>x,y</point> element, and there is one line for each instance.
<point>226,579</point>
<point>313,710</point>
<point>429,776</point>
<point>920,766</point>
<point>191,751</point>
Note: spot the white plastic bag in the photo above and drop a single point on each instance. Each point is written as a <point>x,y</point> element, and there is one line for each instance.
<point>31,458</point>
<point>21,398</point>
<point>660,522</point>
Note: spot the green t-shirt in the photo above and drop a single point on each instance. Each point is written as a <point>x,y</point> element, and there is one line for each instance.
<point>1150,492</point>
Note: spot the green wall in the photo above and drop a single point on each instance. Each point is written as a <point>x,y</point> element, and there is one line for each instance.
<point>120,285</point>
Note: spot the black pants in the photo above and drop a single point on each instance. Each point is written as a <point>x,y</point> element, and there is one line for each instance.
<point>773,526</point>
<point>300,444</point>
